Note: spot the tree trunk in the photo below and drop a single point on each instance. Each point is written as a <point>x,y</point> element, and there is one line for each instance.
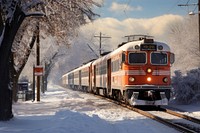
<point>15,74</point>
<point>5,91</point>
<point>5,52</point>
<point>15,87</point>
<point>13,78</point>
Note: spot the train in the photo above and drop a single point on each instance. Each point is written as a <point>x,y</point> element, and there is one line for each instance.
<point>137,73</point>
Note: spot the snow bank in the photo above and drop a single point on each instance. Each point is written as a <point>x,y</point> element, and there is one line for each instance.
<point>62,122</point>
<point>65,111</point>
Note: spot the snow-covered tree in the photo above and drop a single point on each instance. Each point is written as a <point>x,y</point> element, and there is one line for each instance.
<point>186,79</point>
<point>183,36</point>
<point>187,87</point>
<point>57,17</point>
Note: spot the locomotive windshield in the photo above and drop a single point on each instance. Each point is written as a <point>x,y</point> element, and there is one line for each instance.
<point>137,58</point>
<point>159,58</point>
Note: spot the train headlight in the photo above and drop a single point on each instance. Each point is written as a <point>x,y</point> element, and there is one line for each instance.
<point>131,79</point>
<point>149,79</point>
<point>149,70</point>
<point>165,79</point>
<point>160,47</point>
<point>137,47</point>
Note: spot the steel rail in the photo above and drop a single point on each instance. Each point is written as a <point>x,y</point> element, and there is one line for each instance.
<point>151,116</point>
<point>161,120</point>
<point>192,119</point>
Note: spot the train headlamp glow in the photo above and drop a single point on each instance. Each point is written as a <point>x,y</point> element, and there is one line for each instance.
<point>137,47</point>
<point>149,79</point>
<point>160,47</point>
<point>165,79</point>
<point>131,79</point>
<point>149,70</point>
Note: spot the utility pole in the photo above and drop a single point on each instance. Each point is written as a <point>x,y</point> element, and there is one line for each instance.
<point>38,60</point>
<point>100,41</point>
<point>199,21</point>
<point>191,13</point>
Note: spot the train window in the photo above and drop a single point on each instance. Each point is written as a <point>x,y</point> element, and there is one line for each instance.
<point>115,65</point>
<point>103,68</point>
<point>172,58</point>
<point>123,57</point>
<point>159,58</point>
<point>85,73</point>
<point>137,58</point>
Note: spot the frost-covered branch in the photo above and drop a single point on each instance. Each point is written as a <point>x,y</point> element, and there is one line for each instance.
<point>35,14</point>
<point>2,29</point>
<point>1,36</point>
<point>8,8</point>
<point>26,6</point>
<point>184,37</point>
<point>62,19</point>
<point>67,15</point>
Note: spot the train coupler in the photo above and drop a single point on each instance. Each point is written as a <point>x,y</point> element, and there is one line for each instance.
<point>148,99</point>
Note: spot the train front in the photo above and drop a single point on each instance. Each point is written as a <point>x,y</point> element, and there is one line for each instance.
<point>147,73</point>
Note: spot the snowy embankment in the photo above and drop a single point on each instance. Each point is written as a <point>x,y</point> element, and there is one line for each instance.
<point>65,111</point>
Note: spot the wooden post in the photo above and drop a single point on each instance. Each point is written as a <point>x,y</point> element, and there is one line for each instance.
<point>33,83</point>
<point>199,21</point>
<point>38,60</point>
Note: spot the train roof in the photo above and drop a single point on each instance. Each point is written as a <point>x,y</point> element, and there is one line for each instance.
<point>85,65</point>
<point>128,46</point>
<point>132,46</point>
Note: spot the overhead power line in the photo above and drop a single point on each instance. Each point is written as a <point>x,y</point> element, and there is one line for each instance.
<point>100,41</point>
<point>92,50</point>
<point>197,4</point>
<point>127,4</point>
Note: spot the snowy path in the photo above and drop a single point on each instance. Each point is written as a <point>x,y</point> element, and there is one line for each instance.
<point>66,111</point>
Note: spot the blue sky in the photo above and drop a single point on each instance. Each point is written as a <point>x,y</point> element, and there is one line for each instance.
<point>128,17</point>
<point>123,9</point>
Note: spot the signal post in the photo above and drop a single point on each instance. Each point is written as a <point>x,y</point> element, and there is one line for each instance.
<point>37,71</point>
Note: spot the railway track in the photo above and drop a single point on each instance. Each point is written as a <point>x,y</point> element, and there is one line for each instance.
<point>192,119</point>
<point>182,127</point>
<point>178,126</point>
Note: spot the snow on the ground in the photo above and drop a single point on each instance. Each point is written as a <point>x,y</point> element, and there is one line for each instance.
<point>65,111</point>
<point>191,109</point>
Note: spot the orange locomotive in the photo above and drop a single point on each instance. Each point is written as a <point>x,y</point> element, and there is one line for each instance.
<point>138,73</point>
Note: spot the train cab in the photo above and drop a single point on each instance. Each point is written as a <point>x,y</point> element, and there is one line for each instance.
<point>147,72</point>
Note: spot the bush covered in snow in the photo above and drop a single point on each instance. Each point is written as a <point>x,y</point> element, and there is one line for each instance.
<point>187,87</point>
